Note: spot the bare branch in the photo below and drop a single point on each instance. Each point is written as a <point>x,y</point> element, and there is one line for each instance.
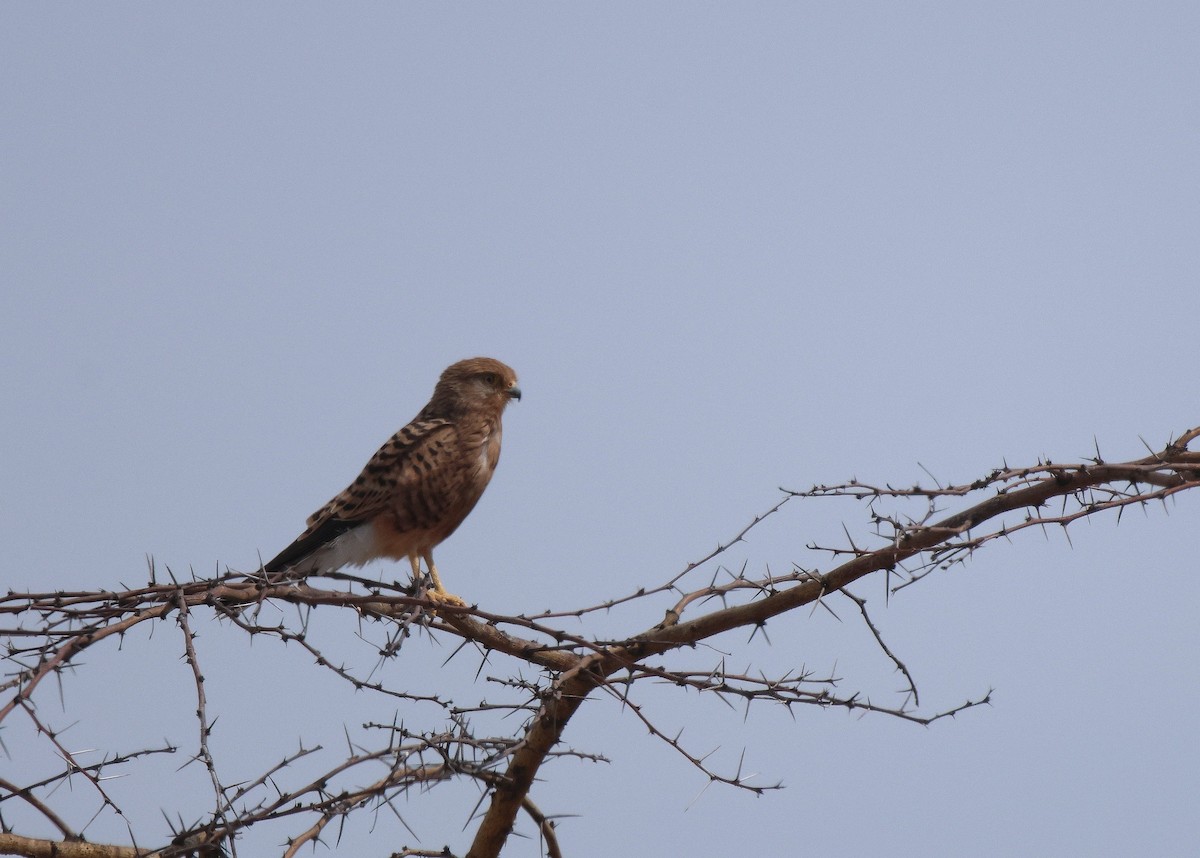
<point>910,533</point>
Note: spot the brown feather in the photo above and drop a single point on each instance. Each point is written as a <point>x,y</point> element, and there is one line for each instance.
<point>420,485</point>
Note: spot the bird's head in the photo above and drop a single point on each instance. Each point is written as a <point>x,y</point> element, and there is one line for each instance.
<point>479,382</point>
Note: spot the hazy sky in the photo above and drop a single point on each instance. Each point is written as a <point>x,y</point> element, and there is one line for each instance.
<point>728,247</point>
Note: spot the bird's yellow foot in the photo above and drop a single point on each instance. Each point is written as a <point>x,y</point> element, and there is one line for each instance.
<point>435,595</point>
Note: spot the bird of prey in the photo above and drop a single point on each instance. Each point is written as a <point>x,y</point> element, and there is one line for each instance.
<point>420,485</point>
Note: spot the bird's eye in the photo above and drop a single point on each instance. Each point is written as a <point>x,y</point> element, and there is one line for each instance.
<point>489,378</point>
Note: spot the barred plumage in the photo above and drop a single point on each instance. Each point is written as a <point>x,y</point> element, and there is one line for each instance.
<point>419,486</point>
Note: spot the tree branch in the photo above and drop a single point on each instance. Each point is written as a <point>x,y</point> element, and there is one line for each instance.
<point>49,631</point>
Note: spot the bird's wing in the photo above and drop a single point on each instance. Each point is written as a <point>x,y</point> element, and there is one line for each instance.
<point>394,469</point>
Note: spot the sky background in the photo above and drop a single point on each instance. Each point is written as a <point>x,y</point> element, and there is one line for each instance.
<point>728,248</point>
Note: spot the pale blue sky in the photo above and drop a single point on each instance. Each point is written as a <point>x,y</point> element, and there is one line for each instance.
<point>727,247</point>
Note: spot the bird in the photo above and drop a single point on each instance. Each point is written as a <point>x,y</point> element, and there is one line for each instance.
<point>418,487</point>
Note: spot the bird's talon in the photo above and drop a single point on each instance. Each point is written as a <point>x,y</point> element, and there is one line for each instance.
<point>445,598</point>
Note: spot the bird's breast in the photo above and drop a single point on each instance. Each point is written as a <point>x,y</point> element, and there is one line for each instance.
<point>489,452</point>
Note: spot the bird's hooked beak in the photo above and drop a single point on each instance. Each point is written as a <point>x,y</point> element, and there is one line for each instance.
<point>514,392</point>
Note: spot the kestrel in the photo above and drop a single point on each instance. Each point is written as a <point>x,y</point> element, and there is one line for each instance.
<point>420,485</point>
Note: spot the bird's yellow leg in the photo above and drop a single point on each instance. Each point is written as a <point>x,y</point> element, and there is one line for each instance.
<point>437,592</point>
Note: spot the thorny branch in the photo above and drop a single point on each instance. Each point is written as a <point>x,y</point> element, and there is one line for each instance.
<point>193,660</point>
<point>45,635</point>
